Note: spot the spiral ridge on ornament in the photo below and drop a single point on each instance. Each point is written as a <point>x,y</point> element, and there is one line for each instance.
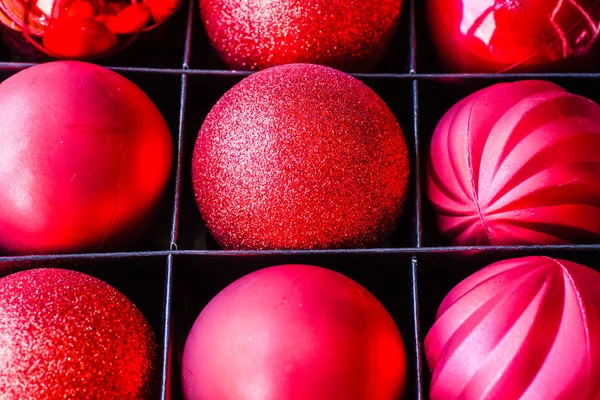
<point>525,328</point>
<point>517,163</point>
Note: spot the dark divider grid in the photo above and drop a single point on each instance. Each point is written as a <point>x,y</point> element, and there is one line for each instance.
<point>179,269</point>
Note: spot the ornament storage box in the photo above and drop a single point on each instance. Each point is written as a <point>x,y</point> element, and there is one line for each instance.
<point>176,269</point>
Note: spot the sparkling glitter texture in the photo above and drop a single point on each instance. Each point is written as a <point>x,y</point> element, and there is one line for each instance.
<point>349,35</point>
<point>300,156</point>
<point>66,335</point>
<point>506,35</point>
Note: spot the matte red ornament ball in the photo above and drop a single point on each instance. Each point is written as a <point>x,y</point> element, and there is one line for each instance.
<point>84,158</point>
<point>255,34</point>
<point>294,332</point>
<point>525,328</point>
<point>67,335</point>
<point>300,156</point>
<point>517,164</point>
<point>507,35</point>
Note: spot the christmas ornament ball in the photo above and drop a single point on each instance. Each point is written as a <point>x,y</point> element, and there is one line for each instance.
<point>509,36</point>
<point>517,164</point>
<point>64,334</point>
<point>294,332</point>
<point>256,34</point>
<point>300,156</point>
<point>85,157</point>
<point>78,29</point>
<point>524,328</point>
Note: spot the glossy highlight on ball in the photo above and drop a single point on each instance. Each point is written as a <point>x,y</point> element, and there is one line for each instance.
<point>515,36</point>
<point>82,29</point>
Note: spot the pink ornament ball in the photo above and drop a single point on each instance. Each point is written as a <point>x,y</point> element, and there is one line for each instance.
<point>517,164</point>
<point>520,329</point>
<point>294,332</point>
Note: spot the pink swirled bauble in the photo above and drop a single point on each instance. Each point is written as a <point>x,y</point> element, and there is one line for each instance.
<point>517,163</point>
<point>526,328</point>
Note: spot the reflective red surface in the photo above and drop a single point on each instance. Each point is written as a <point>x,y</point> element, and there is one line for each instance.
<point>85,156</point>
<point>83,29</point>
<point>294,332</point>
<point>504,35</point>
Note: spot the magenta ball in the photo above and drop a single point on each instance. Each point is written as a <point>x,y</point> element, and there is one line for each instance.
<point>294,332</point>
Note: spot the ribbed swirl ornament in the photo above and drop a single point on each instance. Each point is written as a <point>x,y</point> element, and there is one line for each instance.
<point>520,329</point>
<point>517,163</point>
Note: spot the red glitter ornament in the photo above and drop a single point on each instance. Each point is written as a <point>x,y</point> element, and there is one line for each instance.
<point>344,34</point>
<point>517,163</point>
<point>503,35</point>
<point>64,334</point>
<point>294,332</point>
<point>83,29</point>
<point>526,328</point>
<point>300,156</point>
<point>85,156</point>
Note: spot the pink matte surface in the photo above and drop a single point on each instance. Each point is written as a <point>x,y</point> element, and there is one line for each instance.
<point>503,35</point>
<point>520,329</point>
<point>85,155</point>
<point>294,332</point>
<point>517,163</point>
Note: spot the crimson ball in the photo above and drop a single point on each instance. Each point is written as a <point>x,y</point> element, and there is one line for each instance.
<point>294,332</point>
<point>343,34</point>
<point>85,156</point>
<point>502,36</point>
<point>300,156</point>
<point>67,335</point>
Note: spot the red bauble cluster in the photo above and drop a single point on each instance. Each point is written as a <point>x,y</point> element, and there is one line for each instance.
<point>501,35</point>
<point>343,34</point>
<point>294,332</point>
<point>525,328</point>
<point>83,29</point>
<point>517,163</point>
<point>84,158</point>
<point>64,334</point>
<point>300,156</point>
